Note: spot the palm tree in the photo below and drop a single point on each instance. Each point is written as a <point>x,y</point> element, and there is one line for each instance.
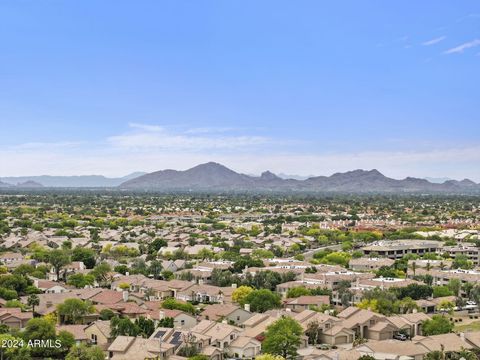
<point>32,301</point>
<point>467,355</point>
<point>414,268</point>
<point>467,289</point>
<point>436,355</point>
<point>428,266</point>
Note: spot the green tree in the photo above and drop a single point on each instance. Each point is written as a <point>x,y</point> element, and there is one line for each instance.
<point>366,357</point>
<point>167,322</point>
<point>155,269</point>
<point>72,311</point>
<point>240,294</point>
<point>435,355</point>
<point>461,262</point>
<point>87,256</point>
<point>66,340</point>
<point>441,291</point>
<point>298,291</point>
<point>84,352</point>
<point>446,306</point>
<point>101,273</point>
<point>283,337</point>
<point>58,259</point>
<point>263,300</point>
<point>269,357</point>
<point>123,327</point>
<point>455,285</point>
<point>81,280</point>
<point>201,357</point>
<point>106,314</point>
<point>13,353</point>
<point>246,261</point>
<point>146,326</point>
<point>173,304</point>
<point>40,329</point>
<point>313,332</point>
<point>437,325</point>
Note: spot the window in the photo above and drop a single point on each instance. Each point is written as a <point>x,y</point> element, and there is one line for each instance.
<point>94,339</point>
<point>182,322</point>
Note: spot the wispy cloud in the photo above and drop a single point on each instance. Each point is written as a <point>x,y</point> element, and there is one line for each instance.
<point>157,137</point>
<point>461,48</point>
<point>46,145</point>
<point>145,127</point>
<point>209,130</point>
<point>434,41</point>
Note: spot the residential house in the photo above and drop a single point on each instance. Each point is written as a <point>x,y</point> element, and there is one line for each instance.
<point>221,335</point>
<point>393,350</point>
<point>181,320</point>
<point>232,313</point>
<point>78,332</point>
<point>14,317</point>
<point>129,347</point>
<point>306,302</point>
<point>369,264</point>
<point>244,347</point>
<point>98,333</point>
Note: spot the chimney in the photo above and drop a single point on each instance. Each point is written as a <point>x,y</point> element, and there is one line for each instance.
<point>462,336</point>
<point>200,282</point>
<point>161,315</point>
<point>125,296</point>
<point>234,286</point>
<point>247,307</point>
<point>127,273</point>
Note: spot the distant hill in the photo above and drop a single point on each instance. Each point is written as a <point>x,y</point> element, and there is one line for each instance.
<point>216,177</point>
<point>437,180</point>
<point>91,181</point>
<point>5,185</point>
<point>29,184</point>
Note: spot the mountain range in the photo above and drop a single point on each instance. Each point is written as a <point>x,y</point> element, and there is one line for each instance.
<point>213,177</point>
<point>216,177</point>
<point>82,181</point>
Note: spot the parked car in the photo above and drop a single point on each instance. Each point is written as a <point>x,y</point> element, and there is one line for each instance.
<point>400,336</point>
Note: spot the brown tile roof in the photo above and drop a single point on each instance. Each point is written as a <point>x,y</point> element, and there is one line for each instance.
<point>107,297</point>
<point>78,331</point>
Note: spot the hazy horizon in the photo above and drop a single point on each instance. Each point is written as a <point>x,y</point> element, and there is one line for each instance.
<point>283,175</point>
<point>113,88</point>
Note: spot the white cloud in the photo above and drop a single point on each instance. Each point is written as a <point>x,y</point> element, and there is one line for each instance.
<point>157,137</point>
<point>434,41</point>
<point>209,130</point>
<point>152,147</point>
<point>461,48</point>
<point>145,127</point>
<point>47,145</point>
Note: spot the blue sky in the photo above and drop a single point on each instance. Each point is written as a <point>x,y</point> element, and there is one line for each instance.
<point>303,87</point>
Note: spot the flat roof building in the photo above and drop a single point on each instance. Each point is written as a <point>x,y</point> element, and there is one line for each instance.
<point>396,249</point>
